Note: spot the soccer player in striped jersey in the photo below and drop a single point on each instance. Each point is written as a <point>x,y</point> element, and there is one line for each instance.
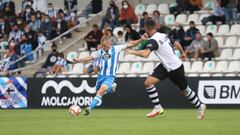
<point>171,66</point>
<point>109,58</point>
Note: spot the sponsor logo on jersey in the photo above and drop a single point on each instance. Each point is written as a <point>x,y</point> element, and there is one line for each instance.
<point>219,91</point>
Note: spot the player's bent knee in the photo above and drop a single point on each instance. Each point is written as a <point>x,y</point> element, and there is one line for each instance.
<point>102,90</point>
<point>147,83</point>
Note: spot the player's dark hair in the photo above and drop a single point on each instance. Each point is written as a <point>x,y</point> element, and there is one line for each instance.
<point>150,24</point>
<point>145,13</point>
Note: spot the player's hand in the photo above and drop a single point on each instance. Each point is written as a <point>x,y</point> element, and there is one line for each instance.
<point>144,36</point>
<point>75,61</point>
<point>183,56</point>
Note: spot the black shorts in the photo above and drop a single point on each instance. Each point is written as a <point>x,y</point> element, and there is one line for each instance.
<point>176,76</point>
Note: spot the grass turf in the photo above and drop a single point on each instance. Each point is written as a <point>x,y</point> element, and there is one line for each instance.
<point>118,122</point>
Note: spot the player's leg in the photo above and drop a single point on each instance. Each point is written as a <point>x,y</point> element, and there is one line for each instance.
<point>178,77</point>
<point>158,74</point>
<point>104,86</point>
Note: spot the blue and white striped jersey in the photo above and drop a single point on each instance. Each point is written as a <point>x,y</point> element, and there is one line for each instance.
<point>109,59</point>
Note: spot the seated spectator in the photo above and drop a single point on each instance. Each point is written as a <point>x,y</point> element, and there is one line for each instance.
<point>8,15</point>
<point>179,8</point>
<point>112,16</point>
<point>26,14</point>
<point>127,14</point>
<point>217,16</point>
<point>192,51</point>
<point>194,5</point>
<point>25,3</point>
<point>26,49</point>
<point>142,22</point>
<point>109,33</point>
<point>34,23</point>
<point>15,34</point>
<point>47,27</point>
<point>120,38</point>
<point>230,10</point>
<point>5,28</point>
<point>60,64</point>
<point>93,38</point>
<point>190,33</point>
<point>31,36</point>
<point>52,12</point>
<point>210,49</point>
<point>94,7</point>
<point>157,17</point>
<point>131,34</point>
<point>178,33</point>
<point>41,41</point>
<point>61,25</point>
<point>11,5</point>
<point>1,5</point>
<point>51,59</point>
<point>71,5</point>
<point>8,62</point>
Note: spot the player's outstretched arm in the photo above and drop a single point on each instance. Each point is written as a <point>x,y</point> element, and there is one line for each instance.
<point>137,42</point>
<point>85,59</point>
<point>179,47</point>
<point>141,53</point>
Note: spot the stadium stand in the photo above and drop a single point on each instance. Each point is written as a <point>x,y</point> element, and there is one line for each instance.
<point>227,36</point>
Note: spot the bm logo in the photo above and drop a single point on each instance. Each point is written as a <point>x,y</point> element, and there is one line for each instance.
<point>209,92</point>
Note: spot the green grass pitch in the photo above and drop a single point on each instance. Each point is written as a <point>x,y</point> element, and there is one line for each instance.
<point>118,122</point>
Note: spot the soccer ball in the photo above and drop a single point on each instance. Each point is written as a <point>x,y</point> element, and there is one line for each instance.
<point>75,110</point>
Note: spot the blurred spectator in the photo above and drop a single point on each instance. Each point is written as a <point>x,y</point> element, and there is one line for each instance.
<point>157,17</point>
<point>26,48</point>
<point>31,36</point>
<point>8,62</point>
<point>142,22</point>
<point>127,14</point>
<point>51,59</point>
<point>41,41</point>
<point>230,10</point>
<point>61,25</point>
<point>8,14</point>
<point>113,38</point>
<point>190,33</point>
<point>5,28</point>
<point>26,15</point>
<point>47,27</point>
<point>52,12</point>
<point>192,51</point>
<point>178,33</point>
<point>94,7</point>
<point>210,49</point>
<point>217,16</point>
<point>179,8</point>
<point>131,34</point>
<point>26,2</point>
<point>59,65</point>
<point>120,38</point>
<point>112,16</point>
<point>40,5</point>
<point>34,23</point>
<point>71,5</point>
<point>11,5</point>
<point>1,5</point>
<point>194,5</point>
<point>15,34</point>
<point>93,38</point>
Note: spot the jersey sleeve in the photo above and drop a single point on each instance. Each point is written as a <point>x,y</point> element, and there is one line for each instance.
<point>152,45</point>
<point>96,54</point>
<point>120,47</point>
